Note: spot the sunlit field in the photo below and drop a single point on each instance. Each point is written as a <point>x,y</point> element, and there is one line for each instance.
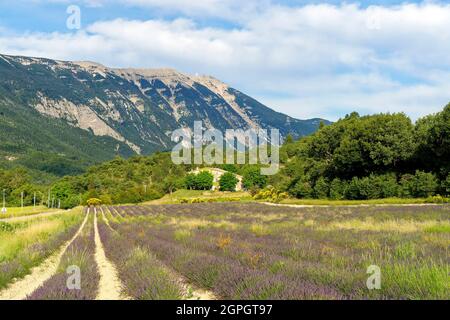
<point>254,251</point>
<point>189,196</point>
<point>25,211</point>
<point>25,244</point>
<point>230,250</point>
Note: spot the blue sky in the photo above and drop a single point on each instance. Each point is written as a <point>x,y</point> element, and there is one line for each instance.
<point>46,16</point>
<point>303,58</point>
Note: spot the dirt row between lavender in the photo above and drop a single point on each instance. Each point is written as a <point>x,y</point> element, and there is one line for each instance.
<point>190,292</point>
<point>110,287</point>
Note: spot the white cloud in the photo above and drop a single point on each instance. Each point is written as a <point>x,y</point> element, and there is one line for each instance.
<point>316,60</point>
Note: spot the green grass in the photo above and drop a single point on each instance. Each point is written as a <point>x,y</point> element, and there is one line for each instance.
<point>24,245</point>
<point>183,195</point>
<point>13,212</point>
<point>326,202</point>
<point>442,228</point>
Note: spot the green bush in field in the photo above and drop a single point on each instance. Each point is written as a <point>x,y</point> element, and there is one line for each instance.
<point>372,187</point>
<point>271,194</point>
<point>228,182</point>
<point>252,178</point>
<point>94,202</point>
<point>71,202</point>
<point>6,227</point>
<point>302,189</point>
<point>420,185</point>
<point>229,167</point>
<point>446,186</point>
<point>201,181</point>
<point>389,186</point>
<point>436,199</point>
<point>337,189</point>
<point>321,188</point>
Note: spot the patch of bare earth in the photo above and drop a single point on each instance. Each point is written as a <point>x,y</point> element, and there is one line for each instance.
<point>20,289</point>
<point>192,293</point>
<point>110,287</point>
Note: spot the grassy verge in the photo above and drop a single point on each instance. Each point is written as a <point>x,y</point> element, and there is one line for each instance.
<point>387,201</point>
<point>26,244</point>
<point>187,196</point>
<point>26,211</point>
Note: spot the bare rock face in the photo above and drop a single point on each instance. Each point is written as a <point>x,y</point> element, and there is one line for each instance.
<point>137,107</point>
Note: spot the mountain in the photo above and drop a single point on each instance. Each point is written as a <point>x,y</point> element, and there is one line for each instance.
<point>84,112</point>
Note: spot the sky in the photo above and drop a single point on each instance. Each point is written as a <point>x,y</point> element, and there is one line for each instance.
<point>304,58</point>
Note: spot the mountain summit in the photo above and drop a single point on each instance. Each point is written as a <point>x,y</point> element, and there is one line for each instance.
<point>122,111</point>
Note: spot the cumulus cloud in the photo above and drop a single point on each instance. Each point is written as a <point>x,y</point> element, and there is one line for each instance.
<point>313,60</point>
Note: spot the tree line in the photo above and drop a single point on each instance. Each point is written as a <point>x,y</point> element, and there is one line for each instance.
<point>370,157</point>
<point>357,157</point>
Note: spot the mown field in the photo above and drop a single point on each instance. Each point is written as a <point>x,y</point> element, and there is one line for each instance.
<point>25,211</point>
<point>252,251</point>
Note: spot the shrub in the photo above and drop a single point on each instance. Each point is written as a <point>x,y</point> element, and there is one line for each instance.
<point>253,178</point>
<point>228,182</point>
<point>446,185</point>
<point>406,186</point>
<point>321,189</point>
<point>353,191</point>
<point>201,181</point>
<point>71,202</point>
<point>94,202</point>
<point>436,199</point>
<point>337,189</point>
<point>421,185</point>
<point>425,184</point>
<point>189,181</point>
<point>230,168</point>
<point>302,189</point>
<point>271,194</point>
<point>389,186</point>
<point>372,187</point>
<point>6,227</point>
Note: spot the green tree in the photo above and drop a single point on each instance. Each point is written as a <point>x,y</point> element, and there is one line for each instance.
<point>337,189</point>
<point>446,185</point>
<point>302,189</point>
<point>252,178</point>
<point>357,146</point>
<point>422,184</point>
<point>433,135</point>
<point>425,184</point>
<point>204,181</point>
<point>189,181</point>
<point>228,182</point>
<point>321,188</point>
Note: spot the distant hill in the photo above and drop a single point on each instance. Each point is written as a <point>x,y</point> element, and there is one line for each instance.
<point>59,116</point>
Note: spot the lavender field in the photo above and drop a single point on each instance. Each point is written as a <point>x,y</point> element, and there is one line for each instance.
<point>255,251</point>
<point>245,251</point>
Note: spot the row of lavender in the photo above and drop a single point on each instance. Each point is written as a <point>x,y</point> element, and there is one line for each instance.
<point>78,260</point>
<point>295,262</point>
<point>143,276</point>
